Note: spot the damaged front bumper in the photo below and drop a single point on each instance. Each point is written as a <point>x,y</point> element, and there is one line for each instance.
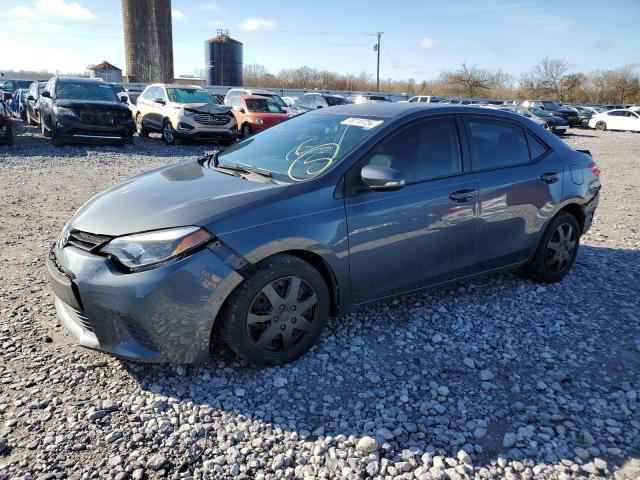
<point>160,315</point>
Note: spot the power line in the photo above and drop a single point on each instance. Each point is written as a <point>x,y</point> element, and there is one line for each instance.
<point>393,64</point>
<point>207,29</point>
<point>189,40</point>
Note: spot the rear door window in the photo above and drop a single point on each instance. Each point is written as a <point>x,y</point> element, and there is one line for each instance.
<point>496,144</point>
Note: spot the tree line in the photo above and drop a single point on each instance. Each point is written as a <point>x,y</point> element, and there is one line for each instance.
<point>550,78</point>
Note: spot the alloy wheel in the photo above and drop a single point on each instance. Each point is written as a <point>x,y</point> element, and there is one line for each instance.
<point>282,314</point>
<point>167,133</point>
<point>601,126</point>
<point>139,123</point>
<point>561,248</point>
<point>246,131</point>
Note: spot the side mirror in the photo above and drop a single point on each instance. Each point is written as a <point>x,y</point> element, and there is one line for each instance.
<point>30,97</point>
<point>381,178</point>
<point>319,106</point>
<point>46,94</point>
<point>124,98</point>
<point>159,100</point>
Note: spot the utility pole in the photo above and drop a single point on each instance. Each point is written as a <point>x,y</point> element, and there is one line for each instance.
<point>377,49</point>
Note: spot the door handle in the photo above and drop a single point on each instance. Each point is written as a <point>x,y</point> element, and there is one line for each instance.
<point>463,195</point>
<point>550,177</point>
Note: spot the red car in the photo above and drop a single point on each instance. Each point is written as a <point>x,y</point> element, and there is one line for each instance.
<point>255,113</point>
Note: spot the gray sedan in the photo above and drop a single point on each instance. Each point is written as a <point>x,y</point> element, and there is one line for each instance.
<point>262,242</point>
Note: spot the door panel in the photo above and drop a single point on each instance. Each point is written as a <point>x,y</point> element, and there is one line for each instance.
<point>514,204</point>
<point>417,236</point>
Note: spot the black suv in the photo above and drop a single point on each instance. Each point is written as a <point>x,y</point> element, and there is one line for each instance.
<point>556,110</point>
<point>84,110</point>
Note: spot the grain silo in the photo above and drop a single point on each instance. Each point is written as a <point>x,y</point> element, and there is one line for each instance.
<point>223,60</point>
<point>148,40</point>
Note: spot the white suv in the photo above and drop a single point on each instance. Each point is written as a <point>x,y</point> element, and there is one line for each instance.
<point>185,112</point>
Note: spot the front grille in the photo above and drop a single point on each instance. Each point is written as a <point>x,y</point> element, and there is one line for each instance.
<point>208,119</point>
<point>98,117</point>
<point>86,241</point>
<point>80,318</point>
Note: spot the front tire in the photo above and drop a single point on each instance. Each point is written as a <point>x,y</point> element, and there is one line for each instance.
<point>558,249</point>
<point>140,128</point>
<point>168,133</point>
<point>278,313</point>
<point>246,130</point>
<point>602,126</point>
<point>43,130</point>
<point>57,141</point>
<point>30,120</point>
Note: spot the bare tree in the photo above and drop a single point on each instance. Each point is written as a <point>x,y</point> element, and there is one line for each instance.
<point>471,79</point>
<point>548,75</point>
<point>624,84</point>
<point>253,74</point>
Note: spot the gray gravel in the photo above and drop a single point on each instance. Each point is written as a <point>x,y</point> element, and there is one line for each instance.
<point>498,378</point>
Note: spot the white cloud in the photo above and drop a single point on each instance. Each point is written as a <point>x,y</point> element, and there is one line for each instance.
<point>212,7</point>
<point>50,10</point>
<point>177,14</point>
<point>253,24</point>
<point>64,9</point>
<point>429,44</point>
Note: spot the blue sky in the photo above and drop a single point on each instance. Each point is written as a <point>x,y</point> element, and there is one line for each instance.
<point>421,37</point>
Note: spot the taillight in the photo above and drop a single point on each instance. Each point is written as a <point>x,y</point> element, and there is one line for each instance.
<point>595,168</point>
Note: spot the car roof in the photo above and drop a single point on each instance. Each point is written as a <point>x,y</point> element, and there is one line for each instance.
<point>253,96</point>
<point>177,85</point>
<point>69,78</point>
<point>397,109</point>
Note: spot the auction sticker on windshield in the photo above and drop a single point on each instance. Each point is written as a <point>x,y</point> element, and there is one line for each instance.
<point>365,123</point>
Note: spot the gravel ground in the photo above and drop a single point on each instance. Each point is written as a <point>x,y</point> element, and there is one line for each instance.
<point>498,378</point>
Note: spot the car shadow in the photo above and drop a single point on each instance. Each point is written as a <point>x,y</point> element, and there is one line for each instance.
<point>556,354</point>
<point>584,135</point>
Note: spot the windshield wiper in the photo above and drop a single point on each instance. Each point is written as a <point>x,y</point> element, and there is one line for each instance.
<point>248,169</point>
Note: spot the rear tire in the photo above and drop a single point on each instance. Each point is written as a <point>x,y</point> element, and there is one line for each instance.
<point>277,313</point>
<point>602,126</point>
<point>557,250</point>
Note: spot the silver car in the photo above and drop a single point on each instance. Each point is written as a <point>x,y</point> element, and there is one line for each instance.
<point>184,112</point>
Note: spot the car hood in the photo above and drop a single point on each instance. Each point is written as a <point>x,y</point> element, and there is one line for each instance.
<point>178,195</point>
<point>95,104</point>
<point>206,108</point>
<point>554,120</point>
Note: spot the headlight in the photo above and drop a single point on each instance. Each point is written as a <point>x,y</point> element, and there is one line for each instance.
<point>64,235</point>
<point>64,111</point>
<point>259,121</point>
<point>154,249</point>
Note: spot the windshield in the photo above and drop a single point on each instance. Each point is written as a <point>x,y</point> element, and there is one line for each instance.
<point>71,90</point>
<point>303,147</point>
<point>41,86</point>
<point>190,95</point>
<point>336,101</point>
<point>263,105</point>
<point>539,112</point>
<point>551,105</point>
<point>274,97</point>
